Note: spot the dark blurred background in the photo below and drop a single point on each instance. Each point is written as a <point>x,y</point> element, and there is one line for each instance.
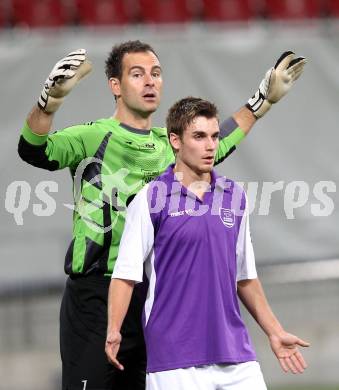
<point>63,13</point>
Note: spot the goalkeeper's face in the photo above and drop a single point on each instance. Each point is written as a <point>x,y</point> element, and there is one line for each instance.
<point>139,90</point>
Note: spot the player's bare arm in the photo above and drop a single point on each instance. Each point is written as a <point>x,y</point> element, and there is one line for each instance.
<point>39,121</point>
<point>65,74</point>
<point>277,82</point>
<point>284,345</point>
<point>245,119</point>
<point>119,297</point>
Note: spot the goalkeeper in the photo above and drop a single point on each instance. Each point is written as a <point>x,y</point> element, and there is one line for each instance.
<point>110,160</point>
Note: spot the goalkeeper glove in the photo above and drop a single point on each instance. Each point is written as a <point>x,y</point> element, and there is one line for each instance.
<point>63,77</point>
<point>276,83</point>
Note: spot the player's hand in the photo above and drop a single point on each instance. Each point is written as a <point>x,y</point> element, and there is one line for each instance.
<point>112,346</point>
<point>276,83</point>
<point>285,347</point>
<point>66,73</point>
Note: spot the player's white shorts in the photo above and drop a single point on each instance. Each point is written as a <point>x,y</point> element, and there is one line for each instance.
<point>243,376</point>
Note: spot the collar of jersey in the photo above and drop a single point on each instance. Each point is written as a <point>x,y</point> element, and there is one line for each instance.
<point>134,129</point>
<point>217,181</point>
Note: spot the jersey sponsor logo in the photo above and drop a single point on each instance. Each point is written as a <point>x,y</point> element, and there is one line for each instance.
<point>227,217</point>
<point>148,145</point>
<point>183,212</point>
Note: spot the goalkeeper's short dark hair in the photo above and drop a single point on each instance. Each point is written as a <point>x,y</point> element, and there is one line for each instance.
<point>184,111</point>
<point>113,63</point>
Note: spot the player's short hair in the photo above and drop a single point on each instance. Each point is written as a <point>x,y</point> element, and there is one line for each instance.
<point>113,64</point>
<point>182,113</point>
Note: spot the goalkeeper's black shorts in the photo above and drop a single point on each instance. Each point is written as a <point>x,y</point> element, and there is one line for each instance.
<point>83,326</point>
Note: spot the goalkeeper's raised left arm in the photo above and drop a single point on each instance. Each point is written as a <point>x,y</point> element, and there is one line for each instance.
<point>277,82</point>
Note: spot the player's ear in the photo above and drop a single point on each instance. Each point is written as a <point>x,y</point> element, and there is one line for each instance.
<point>175,141</point>
<point>114,84</point>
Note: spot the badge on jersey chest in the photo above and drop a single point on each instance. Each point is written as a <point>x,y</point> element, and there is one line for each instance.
<point>227,217</point>
<point>149,176</point>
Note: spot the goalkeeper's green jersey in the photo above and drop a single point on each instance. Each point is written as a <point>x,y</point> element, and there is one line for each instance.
<point>109,162</point>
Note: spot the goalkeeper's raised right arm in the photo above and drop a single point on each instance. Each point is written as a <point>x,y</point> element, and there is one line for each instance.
<point>33,146</point>
<point>65,74</point>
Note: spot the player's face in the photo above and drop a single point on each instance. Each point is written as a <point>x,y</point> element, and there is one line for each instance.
<point>198,145</point>
<point>140,86</point>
